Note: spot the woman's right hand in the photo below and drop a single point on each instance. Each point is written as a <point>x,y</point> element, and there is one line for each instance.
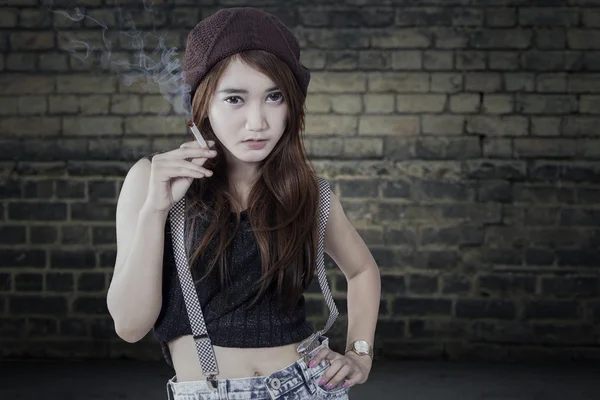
<point>172,174</point>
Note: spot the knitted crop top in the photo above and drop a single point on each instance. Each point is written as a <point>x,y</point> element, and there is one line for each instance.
<point>229,324</point>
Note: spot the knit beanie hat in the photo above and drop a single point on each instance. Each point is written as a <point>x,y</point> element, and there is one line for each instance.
<point>233,30</point>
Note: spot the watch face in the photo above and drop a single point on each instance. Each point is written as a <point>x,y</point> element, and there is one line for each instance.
<point>361,346</point>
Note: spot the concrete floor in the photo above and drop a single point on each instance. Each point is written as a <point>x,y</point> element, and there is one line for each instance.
<point>421,380</point>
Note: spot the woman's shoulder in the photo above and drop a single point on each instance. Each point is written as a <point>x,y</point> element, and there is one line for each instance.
<point>149,156</point>
<point>139,173</point>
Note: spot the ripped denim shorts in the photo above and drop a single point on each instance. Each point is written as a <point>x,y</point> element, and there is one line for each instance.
<point>296,381</point>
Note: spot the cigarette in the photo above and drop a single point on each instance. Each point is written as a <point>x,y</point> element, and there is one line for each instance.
<point>197,134</point>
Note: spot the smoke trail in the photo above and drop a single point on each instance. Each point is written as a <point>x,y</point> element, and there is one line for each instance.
<point>79,16</point>
<point>148,7</point>
<point>161,66</point>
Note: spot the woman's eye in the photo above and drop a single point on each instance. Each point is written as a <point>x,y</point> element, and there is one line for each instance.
<point>233,100</point>
<point>276,96</point>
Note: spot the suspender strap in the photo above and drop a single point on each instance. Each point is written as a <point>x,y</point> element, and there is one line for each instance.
<point>204,348</point>
<point>324,206</point>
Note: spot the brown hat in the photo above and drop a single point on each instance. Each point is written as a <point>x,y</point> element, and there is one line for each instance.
<point>233,30</point>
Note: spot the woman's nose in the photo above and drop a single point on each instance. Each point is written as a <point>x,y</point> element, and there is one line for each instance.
<point>255,120</point>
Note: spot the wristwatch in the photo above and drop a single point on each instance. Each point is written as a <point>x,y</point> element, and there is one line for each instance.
<point>360,347</point>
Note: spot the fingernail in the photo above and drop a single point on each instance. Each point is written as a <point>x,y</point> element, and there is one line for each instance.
<point>321,382</point>
<point>329,386</point>
<point>312,364</point>
<point>346,384</point>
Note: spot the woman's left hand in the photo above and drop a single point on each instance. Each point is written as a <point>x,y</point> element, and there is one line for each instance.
<point>352,368</point>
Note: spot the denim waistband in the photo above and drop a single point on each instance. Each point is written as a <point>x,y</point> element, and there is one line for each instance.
<point>272,386</point>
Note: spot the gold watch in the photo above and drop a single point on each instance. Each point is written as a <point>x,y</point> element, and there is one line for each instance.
<point>360,347</point>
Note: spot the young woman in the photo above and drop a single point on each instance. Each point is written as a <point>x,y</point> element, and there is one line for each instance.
<point>217,247</point>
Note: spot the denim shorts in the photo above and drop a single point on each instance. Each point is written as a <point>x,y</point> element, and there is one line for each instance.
<point>296,381</point>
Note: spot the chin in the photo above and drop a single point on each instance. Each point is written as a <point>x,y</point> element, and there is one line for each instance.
<point>253,157</point>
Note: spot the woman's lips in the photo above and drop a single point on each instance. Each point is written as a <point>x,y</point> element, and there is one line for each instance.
<point>255,144</point>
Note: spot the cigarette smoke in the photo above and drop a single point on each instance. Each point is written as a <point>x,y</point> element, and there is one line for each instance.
<point>160,66</point>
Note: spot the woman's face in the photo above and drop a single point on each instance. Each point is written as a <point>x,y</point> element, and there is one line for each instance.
<point>247,113</point>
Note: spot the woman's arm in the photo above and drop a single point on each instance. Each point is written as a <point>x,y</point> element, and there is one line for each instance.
<point>347,249</point>
<point>135,294</point>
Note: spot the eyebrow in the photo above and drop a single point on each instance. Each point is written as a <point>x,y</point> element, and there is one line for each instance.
<point>234,90</point>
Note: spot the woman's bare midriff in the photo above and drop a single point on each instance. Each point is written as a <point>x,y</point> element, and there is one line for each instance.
<point>232,362</point>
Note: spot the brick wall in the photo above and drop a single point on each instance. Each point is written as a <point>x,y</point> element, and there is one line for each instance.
<point>461,136</point>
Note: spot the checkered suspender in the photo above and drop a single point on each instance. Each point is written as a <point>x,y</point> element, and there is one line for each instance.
<point>204,348</point>
<point>324,205</point>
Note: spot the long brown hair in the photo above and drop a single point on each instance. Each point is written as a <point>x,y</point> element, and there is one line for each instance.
<point>282,204</point>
